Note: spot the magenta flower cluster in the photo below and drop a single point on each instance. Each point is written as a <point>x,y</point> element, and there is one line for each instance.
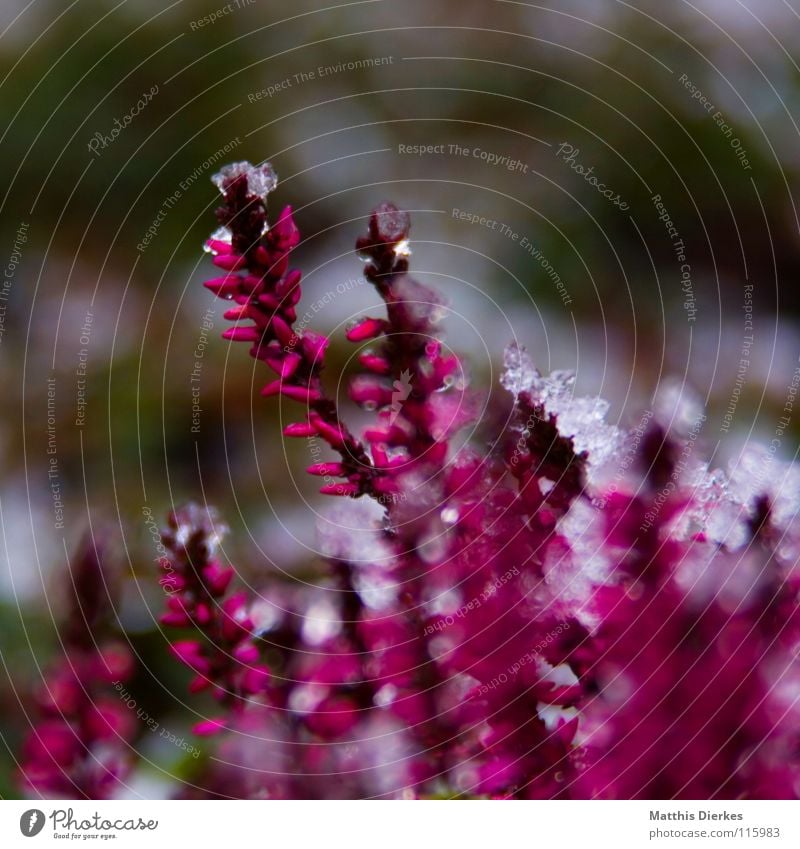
<point>521,600</point>
<point>79,742</point>
<point>222,654</point>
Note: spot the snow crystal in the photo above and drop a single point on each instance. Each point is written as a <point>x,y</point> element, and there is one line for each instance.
<point>321,622</point>
<point>553,716</point>
<point>449,516</point>
<point>559,676</point>
<point>786,495</point>
<point>722,505</point>
<point>708,493</point>
<point>305,697</point>
<point>393,224</point>
<point>386,695</point>
<point>734,580</point>
<point>583,527</point>
<point>572,577</point>
<point>678,407</point>
<point>433,546</point>
<point>221,234</point>
<point>756,473</point>
<point>261,179</point>
<point>374,588</point>
<point>352,530</point>
<point>519,373</point>
<point>727,525</point>
<point>583,419</point>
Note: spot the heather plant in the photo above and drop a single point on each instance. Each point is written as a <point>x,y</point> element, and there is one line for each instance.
<point>78,746</point>
<point>521,600</point>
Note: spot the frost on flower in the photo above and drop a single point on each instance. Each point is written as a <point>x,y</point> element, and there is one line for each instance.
<point>353,531</point>
<point>723,506</point>
<point>581,418</point>
<point>573,572</point>
<point>260,179</point>
<point>678,407</point>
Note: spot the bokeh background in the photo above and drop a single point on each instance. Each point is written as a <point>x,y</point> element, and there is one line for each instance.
<point>106,201</point>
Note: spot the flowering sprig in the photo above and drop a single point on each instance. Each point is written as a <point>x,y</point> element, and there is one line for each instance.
<point>402,375</point>
<point>407,366</point>
<point>266,291</point>
<point>79,746</point>
<point>225,657</point>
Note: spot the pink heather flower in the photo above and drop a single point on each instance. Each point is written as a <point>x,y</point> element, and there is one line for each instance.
<point>221,651</point>
<point>690,674</point>
<point>79,746</point>
<point>265,292</point>
<point>564,610</point>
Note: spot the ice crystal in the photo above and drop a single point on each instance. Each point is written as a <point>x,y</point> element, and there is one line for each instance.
<point>581,418</point>
<point>261,179</point>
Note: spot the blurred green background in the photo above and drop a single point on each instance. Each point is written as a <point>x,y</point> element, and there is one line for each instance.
<point>334,97</point>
